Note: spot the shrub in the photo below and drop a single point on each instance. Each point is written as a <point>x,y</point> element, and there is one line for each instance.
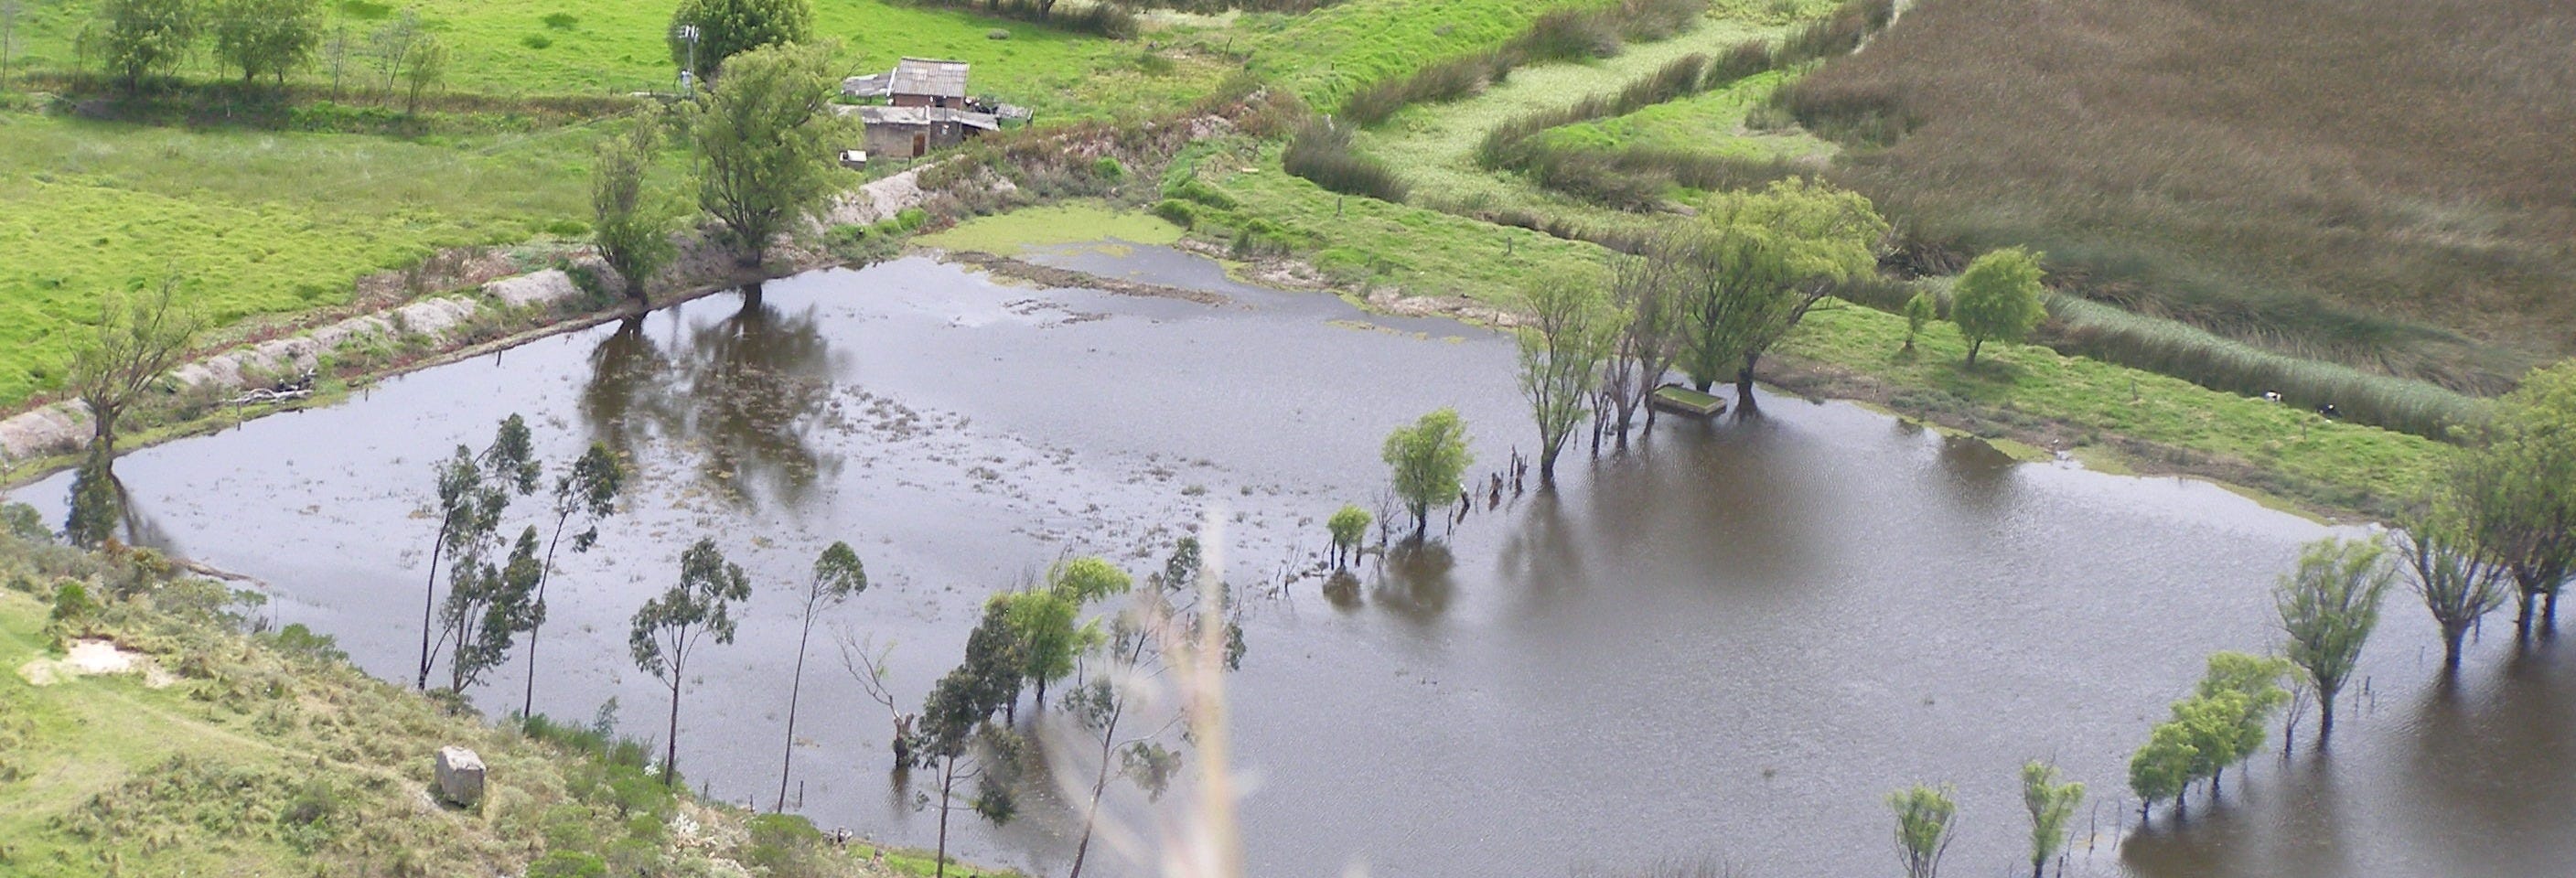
<point>568,864</point>
<point>1568,35</point>
<point>1178,212</point>
<point>24,522</point>
<point>536,41</point>
<point>1321,152</point>
<point>997,34</point>
<point>1108,168</point>
<point>561,20</point>
<point>72,603</point>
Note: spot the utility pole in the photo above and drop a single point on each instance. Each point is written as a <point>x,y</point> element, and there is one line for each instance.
<point>689,74</point>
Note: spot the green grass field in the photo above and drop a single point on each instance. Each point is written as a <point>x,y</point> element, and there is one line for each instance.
<point>1710,122</point>
<point>256,222</point>
<point>1326,54</point>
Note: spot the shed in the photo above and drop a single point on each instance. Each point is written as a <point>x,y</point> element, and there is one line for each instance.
<point>873,85</point>
<point>911,132</point>
<point>926,82</point>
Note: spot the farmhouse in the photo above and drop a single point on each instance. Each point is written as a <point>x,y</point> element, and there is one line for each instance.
<point>927,108</point>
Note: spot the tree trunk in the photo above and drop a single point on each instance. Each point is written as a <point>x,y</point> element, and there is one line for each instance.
<point>2451,636</point>
<point>795,689</point>
<point>2522,617</point>
<point>1744,402</point>
<point>2549,612</point>
<point>1547,465</point>
<point>429,601</point>
<point>1041,703</point>
<point>671,740</point>
<point>528,699</point>
<point>2325,719</point>
<point>947,786</point>
<point>1973,345</point>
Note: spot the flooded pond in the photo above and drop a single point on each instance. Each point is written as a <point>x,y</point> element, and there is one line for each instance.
<point>1727,644</point>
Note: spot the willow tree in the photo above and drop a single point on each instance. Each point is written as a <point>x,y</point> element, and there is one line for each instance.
<point>141,37</point>
<point>1757,263</point>
<point>2051,805</point>
<point>139,339</point>
<point>2459,583</point>
<point>668,629</point>
<point>1645,291</point>
<point>2518,490</point>
<point>632,238</point>
<point>1925,823</point>
<point>1997,299</point>
<point>1427,459</point>
<point>1567,330</point>
<point>767,133</point>
<point>2327,611</point>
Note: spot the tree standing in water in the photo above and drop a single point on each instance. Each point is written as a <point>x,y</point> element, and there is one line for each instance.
<point>1346,527</point>
<point>1758,263</point>
<point>2458,583</point>
<point>2051,805</point>
<point>139,339</point>
<point>767,132</point>
<point>1428,458</point>
<point>1566,332</point>
<point>2327,610</point>
<point>1924,827</point>
<point>2514,488</point>
<point>668,628</point>
<point>473,491</point>
<point>589,491</point>
<point>838,576</point>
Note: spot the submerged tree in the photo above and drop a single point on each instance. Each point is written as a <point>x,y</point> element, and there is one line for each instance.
<point>1566,333</point>
<point>632,238</point>
<point>2051,805</point>
<point>1645,291</point>
<point>838,576</point>
<point>1923,827</point>
<point>1760,262</point>
<point>1998,299</point>
<point>1427,458</point>
<point>488,605</point>
<point>767,132</point>
<point>1347,526</point>
<point>2513,489</point>
<point>588,491</point>
<point>2161,769</point>
<point>2458,583</point>
<point>2327,610</point>
<point>669,628</point>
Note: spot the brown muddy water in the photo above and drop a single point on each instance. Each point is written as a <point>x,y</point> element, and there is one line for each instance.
<point>1727,644</point>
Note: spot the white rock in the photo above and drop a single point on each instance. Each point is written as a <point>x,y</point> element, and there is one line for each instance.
<point>537,288</point>
<point>460,776</point>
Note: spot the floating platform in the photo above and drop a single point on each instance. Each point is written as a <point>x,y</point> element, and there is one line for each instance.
<point>1681,400</point>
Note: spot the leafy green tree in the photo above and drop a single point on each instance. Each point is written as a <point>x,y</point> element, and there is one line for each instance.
<point>953,718</point>
<point>668,628</point>
<point>2513,489</point>
<point>267,36</point>
<point>144,36</point>
<point>2256,680</point>
<point>1998,299</point>
<point>1919,313</point>
<point>730,27</point>
<point>589,490</point>
<point>139,339</point>
<point>391,44</point>
<point>1428,458</point>
<point>2327,610</point>
<point>2051,805</point>
<point>1566,333</point>
<point>2459,584</point>
<point>1046,621</point>
<point>1924,827</point>
<point>24,522</point>
<point>767,132</point>
<point>473,490</point>
<point>2161,769</point>
<point>1347,526</point>
<point>488,605</point>
<point>1759,262</point>
<point>634,240</point>
<point>424,68</point>
<point>2223,731</point>
<point>838,576</point>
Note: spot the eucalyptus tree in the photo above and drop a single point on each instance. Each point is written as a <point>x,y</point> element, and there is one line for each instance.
<point>1998,299</point>
<point>1177,605</point>
<point>1759,262</point>
<point>954,719</point>
<point>2518,489</point>
<point>489,603</point>
<point>2327,610</point>
<point>2051,805</point>
<point>1567,330</point>
<point>1925,823</point>
<point>669,628</point>
<point>838,576</point>
<point>589,491</point>
<point>1427,459</point>
<point>2459,583</point>
<point>473,490</point>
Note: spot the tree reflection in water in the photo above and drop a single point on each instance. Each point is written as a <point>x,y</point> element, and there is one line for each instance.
<point>738,398</point>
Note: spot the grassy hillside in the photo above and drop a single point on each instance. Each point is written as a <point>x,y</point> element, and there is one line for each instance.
<point>2389,182</point>
<point>270,755</point>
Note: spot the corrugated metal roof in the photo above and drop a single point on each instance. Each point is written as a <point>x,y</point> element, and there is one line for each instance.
<point>925,76</point>
<point>870,86</point>
<point>925,116</point>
